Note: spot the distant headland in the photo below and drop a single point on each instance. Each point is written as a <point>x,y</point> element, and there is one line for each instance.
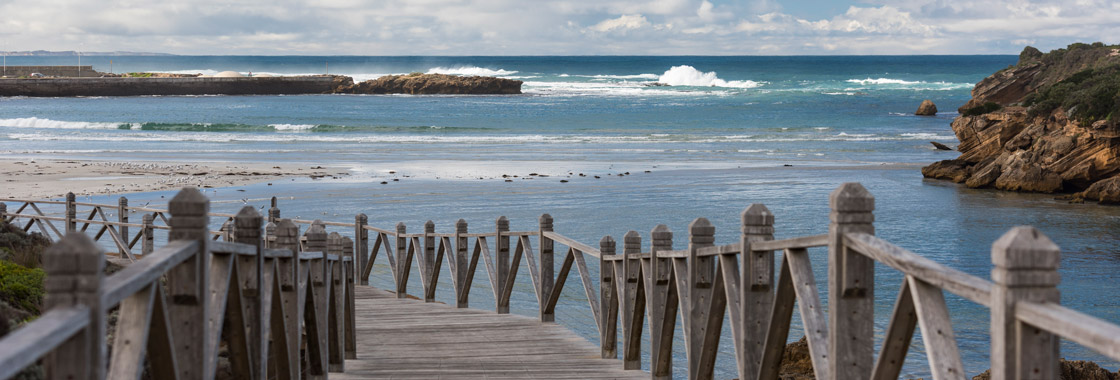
<point>66,81</point>
<point>1049,124</point>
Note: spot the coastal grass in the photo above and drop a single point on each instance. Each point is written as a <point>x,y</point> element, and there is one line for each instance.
<point>988,107</point>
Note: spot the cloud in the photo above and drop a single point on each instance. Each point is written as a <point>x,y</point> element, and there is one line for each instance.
<point>509,27</point>
<point>624,22</point>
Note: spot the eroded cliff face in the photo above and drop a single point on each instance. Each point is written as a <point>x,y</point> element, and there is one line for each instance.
<point>1008,141</point>
<point>431,84</point>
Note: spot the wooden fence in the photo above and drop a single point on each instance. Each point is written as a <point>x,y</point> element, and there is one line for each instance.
<point>179,304</point>
<point>705,284</point>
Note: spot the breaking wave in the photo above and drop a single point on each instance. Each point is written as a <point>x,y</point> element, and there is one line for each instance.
<point>685,75</point>
<point>470,71</point>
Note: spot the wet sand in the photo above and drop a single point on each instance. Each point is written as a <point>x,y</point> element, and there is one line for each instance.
<point>45,179</point>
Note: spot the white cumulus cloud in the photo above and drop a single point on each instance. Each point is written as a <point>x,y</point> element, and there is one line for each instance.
<point>624,22</point>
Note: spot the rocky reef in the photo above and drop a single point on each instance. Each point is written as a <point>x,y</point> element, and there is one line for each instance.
<point>1050,124</point>
<point>433,84</point>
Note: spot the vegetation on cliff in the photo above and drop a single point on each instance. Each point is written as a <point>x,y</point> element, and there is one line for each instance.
<point>1050,123</point>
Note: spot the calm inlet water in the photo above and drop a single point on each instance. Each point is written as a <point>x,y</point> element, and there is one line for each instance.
<point>717,138</point>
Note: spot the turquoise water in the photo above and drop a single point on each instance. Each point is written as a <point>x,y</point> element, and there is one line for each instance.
<point>710,152</point>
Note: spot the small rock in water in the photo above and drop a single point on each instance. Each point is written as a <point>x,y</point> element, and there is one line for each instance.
<point>563,181</point>
<point>596,177</point>
<point>927,108</point>
<point>647,171</point>
<point>509,180</point>
<point>788,165</point>
<point>384,183</point>
<point>940,146</point>
<point>396,179</point>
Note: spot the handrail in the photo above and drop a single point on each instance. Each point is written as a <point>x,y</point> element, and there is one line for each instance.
<point>791,243</point>
<point>962,284</point>
<point>142,273</point>
<point>25,345</point>
<point>572,243</point>
<point>233,248</point>
<point>1071,324</point>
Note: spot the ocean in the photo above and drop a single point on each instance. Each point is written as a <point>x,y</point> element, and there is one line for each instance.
<point>719,134</point>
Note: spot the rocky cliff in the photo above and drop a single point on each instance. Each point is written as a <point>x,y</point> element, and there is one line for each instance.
<point>432,84</point>
<point>1050,123</point>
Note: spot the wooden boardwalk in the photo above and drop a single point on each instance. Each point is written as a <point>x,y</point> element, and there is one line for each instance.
<point>411,339</point>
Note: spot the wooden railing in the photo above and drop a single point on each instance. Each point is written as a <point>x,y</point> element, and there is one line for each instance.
<point>177,304</point>
<point>707,284</point>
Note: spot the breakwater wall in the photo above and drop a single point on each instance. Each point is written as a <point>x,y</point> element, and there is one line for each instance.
<point>61,87</point>
<point>51,71</point>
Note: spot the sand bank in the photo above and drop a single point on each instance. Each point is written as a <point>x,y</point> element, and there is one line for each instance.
<point>42,179</point>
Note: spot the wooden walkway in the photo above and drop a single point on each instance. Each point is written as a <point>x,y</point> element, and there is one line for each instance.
<point>411,339</point>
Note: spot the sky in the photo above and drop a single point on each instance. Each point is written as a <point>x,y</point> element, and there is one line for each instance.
<point>560,27</point>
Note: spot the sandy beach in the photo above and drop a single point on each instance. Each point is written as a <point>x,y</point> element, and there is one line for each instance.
<point>44,179</point>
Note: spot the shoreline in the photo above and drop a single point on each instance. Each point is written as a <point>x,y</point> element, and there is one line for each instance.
<point>37,178</point>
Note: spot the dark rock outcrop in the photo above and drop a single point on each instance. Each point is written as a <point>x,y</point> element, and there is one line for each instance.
<point>940,146</point>
<point>1071,370</point>
<point>927,108</point>
<point>433,84</point>
<point>1039,126</point>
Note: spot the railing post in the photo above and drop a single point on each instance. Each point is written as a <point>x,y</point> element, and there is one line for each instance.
<point>336,307</point>
<point>250,271</point>
<point>402,268</point>
<point>501,258</point>
<point>188,285</point>
<point>462,244</point>
<point>287,237</point>
<point>71,213</point>
<point>122,216</point>
<point>349,271</point>
<point>74,268</point>
<point>317,335</point>
<point>664,304</point>
<point>632,301</point>
<point>273,212</point>
<point>608,300</point>
<point>429,261</point>
<point>227,230</point>
<point>1025,269</point>
<point>851,284</point>
<point>698,298</point>
<point>149,241</point>
<point>361,246</point>
<point>547,267</point>
<point>756,287</point>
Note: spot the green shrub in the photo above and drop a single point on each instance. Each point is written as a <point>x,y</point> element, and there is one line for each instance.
<point>1088,96</point>
<point>982,109</point>
<point>20,247</point>
<point>21,287</point>
<point>139,75</point>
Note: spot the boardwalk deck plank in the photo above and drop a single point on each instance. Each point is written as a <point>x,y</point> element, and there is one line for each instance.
<point>410,339</point>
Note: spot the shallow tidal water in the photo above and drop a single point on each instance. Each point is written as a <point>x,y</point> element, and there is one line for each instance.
<point>713,144</point>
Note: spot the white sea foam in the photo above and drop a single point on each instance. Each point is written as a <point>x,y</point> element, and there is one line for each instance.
<point>868,81</point>
<point>608,89</point>
<point>624,77</point>
<point>685,75</point>
<point>470,70</point>
<point>292,127</point>
<point>37,123</point>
